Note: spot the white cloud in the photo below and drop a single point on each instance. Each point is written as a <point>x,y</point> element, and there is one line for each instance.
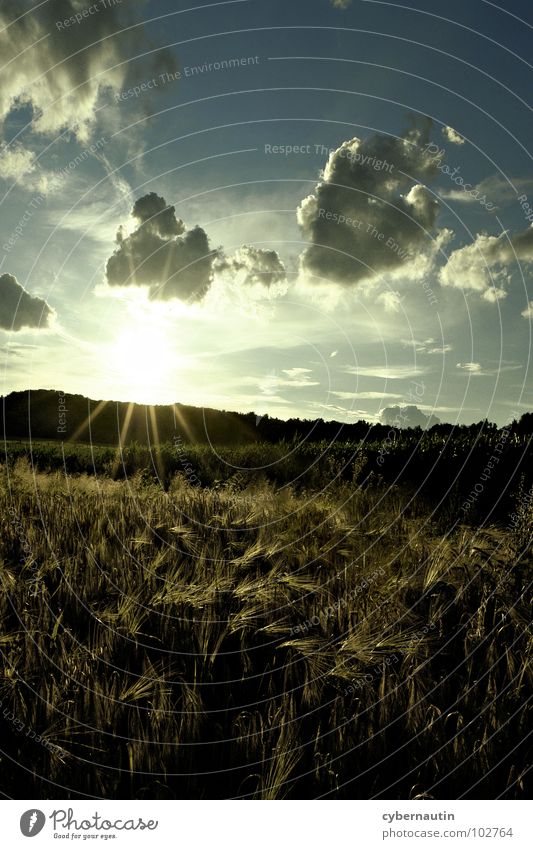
<point>415,343</point>
<point>528,312</point>
<point>452,135</point>
<point>296,371</point>
<point>270,384</point>
<point>335,411</point>
<point>368,396</point>
<point>497,293</point>
<point>250,265</point>
<point>391,301</point>
<point>386,372</point>
<point>495,189</point>
<point>442,349</point>
<point>471,368</point>
<point>295,379</point>
<point>428,346</point>
<point>483,266</point>
<point>476,370</point>
<point>470,267</point>
<point>18,164</point>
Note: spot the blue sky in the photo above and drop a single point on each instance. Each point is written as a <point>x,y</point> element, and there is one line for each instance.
<point>255,121</point>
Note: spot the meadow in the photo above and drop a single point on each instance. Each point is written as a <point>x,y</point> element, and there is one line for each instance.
<point>267,622</point>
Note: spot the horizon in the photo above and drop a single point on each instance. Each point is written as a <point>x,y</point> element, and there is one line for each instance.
<point>393,416</point>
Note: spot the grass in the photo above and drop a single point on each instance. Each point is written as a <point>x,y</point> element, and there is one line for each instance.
<point>253,637</point>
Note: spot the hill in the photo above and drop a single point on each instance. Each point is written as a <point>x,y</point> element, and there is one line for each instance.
<point>47,414</point>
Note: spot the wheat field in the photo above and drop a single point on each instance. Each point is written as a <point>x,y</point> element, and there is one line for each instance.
<point>252,640</point>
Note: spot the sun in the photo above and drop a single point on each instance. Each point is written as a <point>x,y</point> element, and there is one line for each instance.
<point>141,361</point>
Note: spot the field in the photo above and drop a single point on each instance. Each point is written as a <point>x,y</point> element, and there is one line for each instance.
<point>267,623</point>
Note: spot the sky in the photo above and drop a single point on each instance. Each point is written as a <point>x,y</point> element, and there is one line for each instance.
<point>314,210</point>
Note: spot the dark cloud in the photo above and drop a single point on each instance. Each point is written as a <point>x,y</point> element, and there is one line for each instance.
<point>153,211</point>
<point>367,215</point>
<point>162,255</point>
<point>18,308</point>
<point>409,416</point>
<point>254,265</point>
<point>520,247</point>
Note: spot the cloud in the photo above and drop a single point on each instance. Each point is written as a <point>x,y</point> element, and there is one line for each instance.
<point>17,164</point>
<point>386,372</point>
<point>495,189</point>
<point>335,410</point>
<point>295,378</point>
<point>518,247</point>
<point>297,371</point>
<point>497,293</point>
<point>19,309</point>
<point>452,135</point>
<point>499,189</point>
<point>476,370</point>
<point>365,215</point>
<point>528,312</point>
<point>409,416</point>
<point>341,4</point>
<point>441,349</point>
<point>428,346</point>
<point>415,343</point>
<point>482,266</point>
<point>16,349</point>
<point>252,265</point>
<point>367,396</point>
<point>391,301</point>
<point>152,211</point>
<point>471,368</point>
<point>61,71</point>
<point>173,262</point>
<point>161,254</point>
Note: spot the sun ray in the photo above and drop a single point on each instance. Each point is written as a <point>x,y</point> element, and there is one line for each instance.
<point>122,436</point>
<point>90,418</point>
<point>183,422</point>
<point>156,453</point>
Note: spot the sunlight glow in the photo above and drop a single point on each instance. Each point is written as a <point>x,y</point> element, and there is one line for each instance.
<point>141,360</point>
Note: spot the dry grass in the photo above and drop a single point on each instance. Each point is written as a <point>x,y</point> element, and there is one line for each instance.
<point>202,643</point>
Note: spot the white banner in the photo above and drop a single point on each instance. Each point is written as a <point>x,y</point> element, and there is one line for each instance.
<point>267,825</point>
